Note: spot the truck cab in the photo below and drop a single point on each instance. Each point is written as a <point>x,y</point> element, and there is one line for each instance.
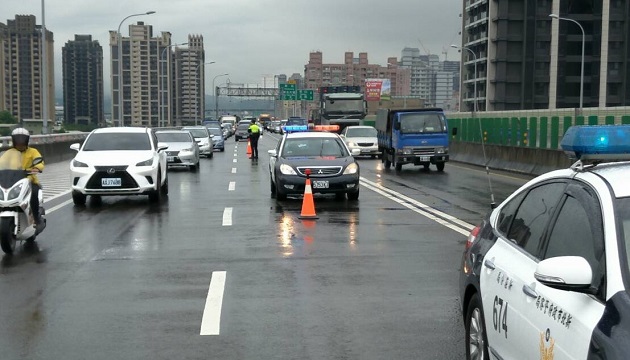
<point>413,136</point>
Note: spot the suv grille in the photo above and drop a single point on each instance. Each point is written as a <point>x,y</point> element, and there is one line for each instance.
<point>320,171</point>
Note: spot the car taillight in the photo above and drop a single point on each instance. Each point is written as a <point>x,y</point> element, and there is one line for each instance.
<point>472,237</point>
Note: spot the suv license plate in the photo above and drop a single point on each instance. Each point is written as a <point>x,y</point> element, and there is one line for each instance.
<point>170,159</point>
<point>111,182</point>
<point>320,184</point>
<point>425,158</point>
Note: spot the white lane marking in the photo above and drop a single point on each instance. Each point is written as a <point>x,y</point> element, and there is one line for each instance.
<point>232,186</point>
<point>233,170</point>
<point>421,212</point>
<point>58,195</point>
<point>227,216</point>
<point>57,207</point>
<point>234,160</point>
<point>211,319</point>
<point>427,208</point>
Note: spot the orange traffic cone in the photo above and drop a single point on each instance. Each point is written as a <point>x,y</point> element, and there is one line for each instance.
<point>249,148</point>
<point>308,204</point>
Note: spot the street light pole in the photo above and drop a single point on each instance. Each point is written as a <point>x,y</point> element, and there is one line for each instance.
<point>202,91</point>
<point>216,99</point>
<point>475,77</point>
<point>120,77</point>
<point>160,83</point>
<point>555,16</point>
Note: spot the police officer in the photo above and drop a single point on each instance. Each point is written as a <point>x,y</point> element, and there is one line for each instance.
<point>254,135</point>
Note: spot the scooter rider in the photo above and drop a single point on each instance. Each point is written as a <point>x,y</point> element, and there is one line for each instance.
<point>20,138</point>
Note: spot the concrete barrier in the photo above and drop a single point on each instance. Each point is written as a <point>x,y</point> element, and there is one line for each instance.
<point>522,160</point>
<point>54,148</point>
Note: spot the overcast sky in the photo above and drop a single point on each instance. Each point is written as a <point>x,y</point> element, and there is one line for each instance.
<point>252,38</point>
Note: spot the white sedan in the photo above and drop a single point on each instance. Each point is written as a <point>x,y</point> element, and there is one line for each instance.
<point>119,161</point>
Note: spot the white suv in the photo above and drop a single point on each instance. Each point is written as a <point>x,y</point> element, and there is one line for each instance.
<point>119,161</point>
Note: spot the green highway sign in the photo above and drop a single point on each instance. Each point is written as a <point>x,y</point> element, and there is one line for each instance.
<point>289,95</point>
<point>305,95</point>
<point>285,87</point>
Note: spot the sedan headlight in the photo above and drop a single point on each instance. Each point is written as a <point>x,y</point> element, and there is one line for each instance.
<point>287,170</point>
<point>351,169</point>
<point>77,163</point>
<point>145,163</point>
<point>15,192</point>
<point>351,144</point>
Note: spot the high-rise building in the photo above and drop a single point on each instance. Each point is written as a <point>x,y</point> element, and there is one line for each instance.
<point>528,60</point>
<point>190,82</point>
<point>431,79</point>
<point>354,71</point>
<point>83,81</point>
<point>140,85</point>
<point>21,69</point>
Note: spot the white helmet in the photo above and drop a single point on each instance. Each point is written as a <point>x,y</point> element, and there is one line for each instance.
<point>20,136</point>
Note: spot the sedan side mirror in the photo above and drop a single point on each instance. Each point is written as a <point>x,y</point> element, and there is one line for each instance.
<point>272,153</point>
<point>162,146</point>
<point>569,273</point>
<point>75,146</point>
<point>37,161</point>
<point>356,152</point>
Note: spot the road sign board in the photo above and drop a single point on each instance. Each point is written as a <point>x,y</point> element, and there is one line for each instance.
<point>289,95</point>
<point>305,95</point>
<point>292,81</point>
<point>286,87</point>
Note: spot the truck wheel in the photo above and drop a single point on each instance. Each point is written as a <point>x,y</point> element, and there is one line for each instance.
<point>386,161</point>
<point>397,165</point>
<point>440,166</point>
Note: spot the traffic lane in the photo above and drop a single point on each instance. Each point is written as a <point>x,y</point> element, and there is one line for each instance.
<point>460,190</point>
<point>75,280</point>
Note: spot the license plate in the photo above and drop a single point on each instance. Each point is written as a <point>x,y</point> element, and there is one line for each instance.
<point>320,184</point>
<point>170,159</point>
<point>111,182</point>
<point>425,158</point>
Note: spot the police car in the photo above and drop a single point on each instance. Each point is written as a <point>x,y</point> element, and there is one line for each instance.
<point>333,169</point>
<point>546,275</point>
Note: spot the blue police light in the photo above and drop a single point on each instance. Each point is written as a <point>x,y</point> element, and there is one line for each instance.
<point>295,128</point>
<point>597,142</point>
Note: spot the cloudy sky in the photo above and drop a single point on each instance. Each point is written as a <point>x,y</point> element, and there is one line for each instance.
<point>252,38</point>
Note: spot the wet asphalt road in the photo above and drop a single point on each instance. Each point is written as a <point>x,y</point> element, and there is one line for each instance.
<point>373,279</point>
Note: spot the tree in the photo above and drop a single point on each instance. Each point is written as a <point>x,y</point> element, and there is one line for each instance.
<point>7,118</point>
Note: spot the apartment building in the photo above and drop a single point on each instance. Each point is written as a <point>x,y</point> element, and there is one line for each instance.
<point>82,62</point>
<point>189,101</point>
<point>21,69</point>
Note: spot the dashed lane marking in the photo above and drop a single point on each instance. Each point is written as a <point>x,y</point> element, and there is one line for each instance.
<point>211,319</point>
<point>227,216</point>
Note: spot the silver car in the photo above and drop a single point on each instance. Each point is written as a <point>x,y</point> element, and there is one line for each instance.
<point>362,138</point>
<point>203,139</point>
<point>182,148</point>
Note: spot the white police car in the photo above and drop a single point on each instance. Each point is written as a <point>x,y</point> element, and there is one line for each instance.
<point>547,274</point>
<point>333,169</point>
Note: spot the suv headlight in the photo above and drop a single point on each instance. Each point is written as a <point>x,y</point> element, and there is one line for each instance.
<point>15,192</point>
<point>145,163</point>
<point>287,170</point>
<point>351,144</point>
<point>77,163</point>
<point>351,169</point>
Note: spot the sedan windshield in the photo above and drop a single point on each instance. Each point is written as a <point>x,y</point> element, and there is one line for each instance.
<point>117,141</point>
<point>361,132</point>
<point>197,133</point>
<point>313,147</point>
<point>174,137</point>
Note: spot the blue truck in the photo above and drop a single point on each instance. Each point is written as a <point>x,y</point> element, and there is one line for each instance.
<point>413,136</point>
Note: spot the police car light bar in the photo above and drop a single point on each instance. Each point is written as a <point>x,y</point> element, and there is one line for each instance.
<point>597,142</point>
<point>294,128</point>
<point>326,128</point>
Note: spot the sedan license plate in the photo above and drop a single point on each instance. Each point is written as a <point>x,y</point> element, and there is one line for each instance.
<point>320,184</point>
<point>425,158</point>
<point>170,159</point>
<point>111,182</point>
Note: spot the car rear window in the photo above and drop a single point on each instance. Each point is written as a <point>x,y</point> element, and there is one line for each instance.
<point>117,141</point>
<point>198,133</point>
<point>243,126</point>
<point>215,131</point>
<point>173,137</point>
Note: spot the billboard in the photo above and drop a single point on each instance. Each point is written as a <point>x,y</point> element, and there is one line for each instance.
<point>378,89</point>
